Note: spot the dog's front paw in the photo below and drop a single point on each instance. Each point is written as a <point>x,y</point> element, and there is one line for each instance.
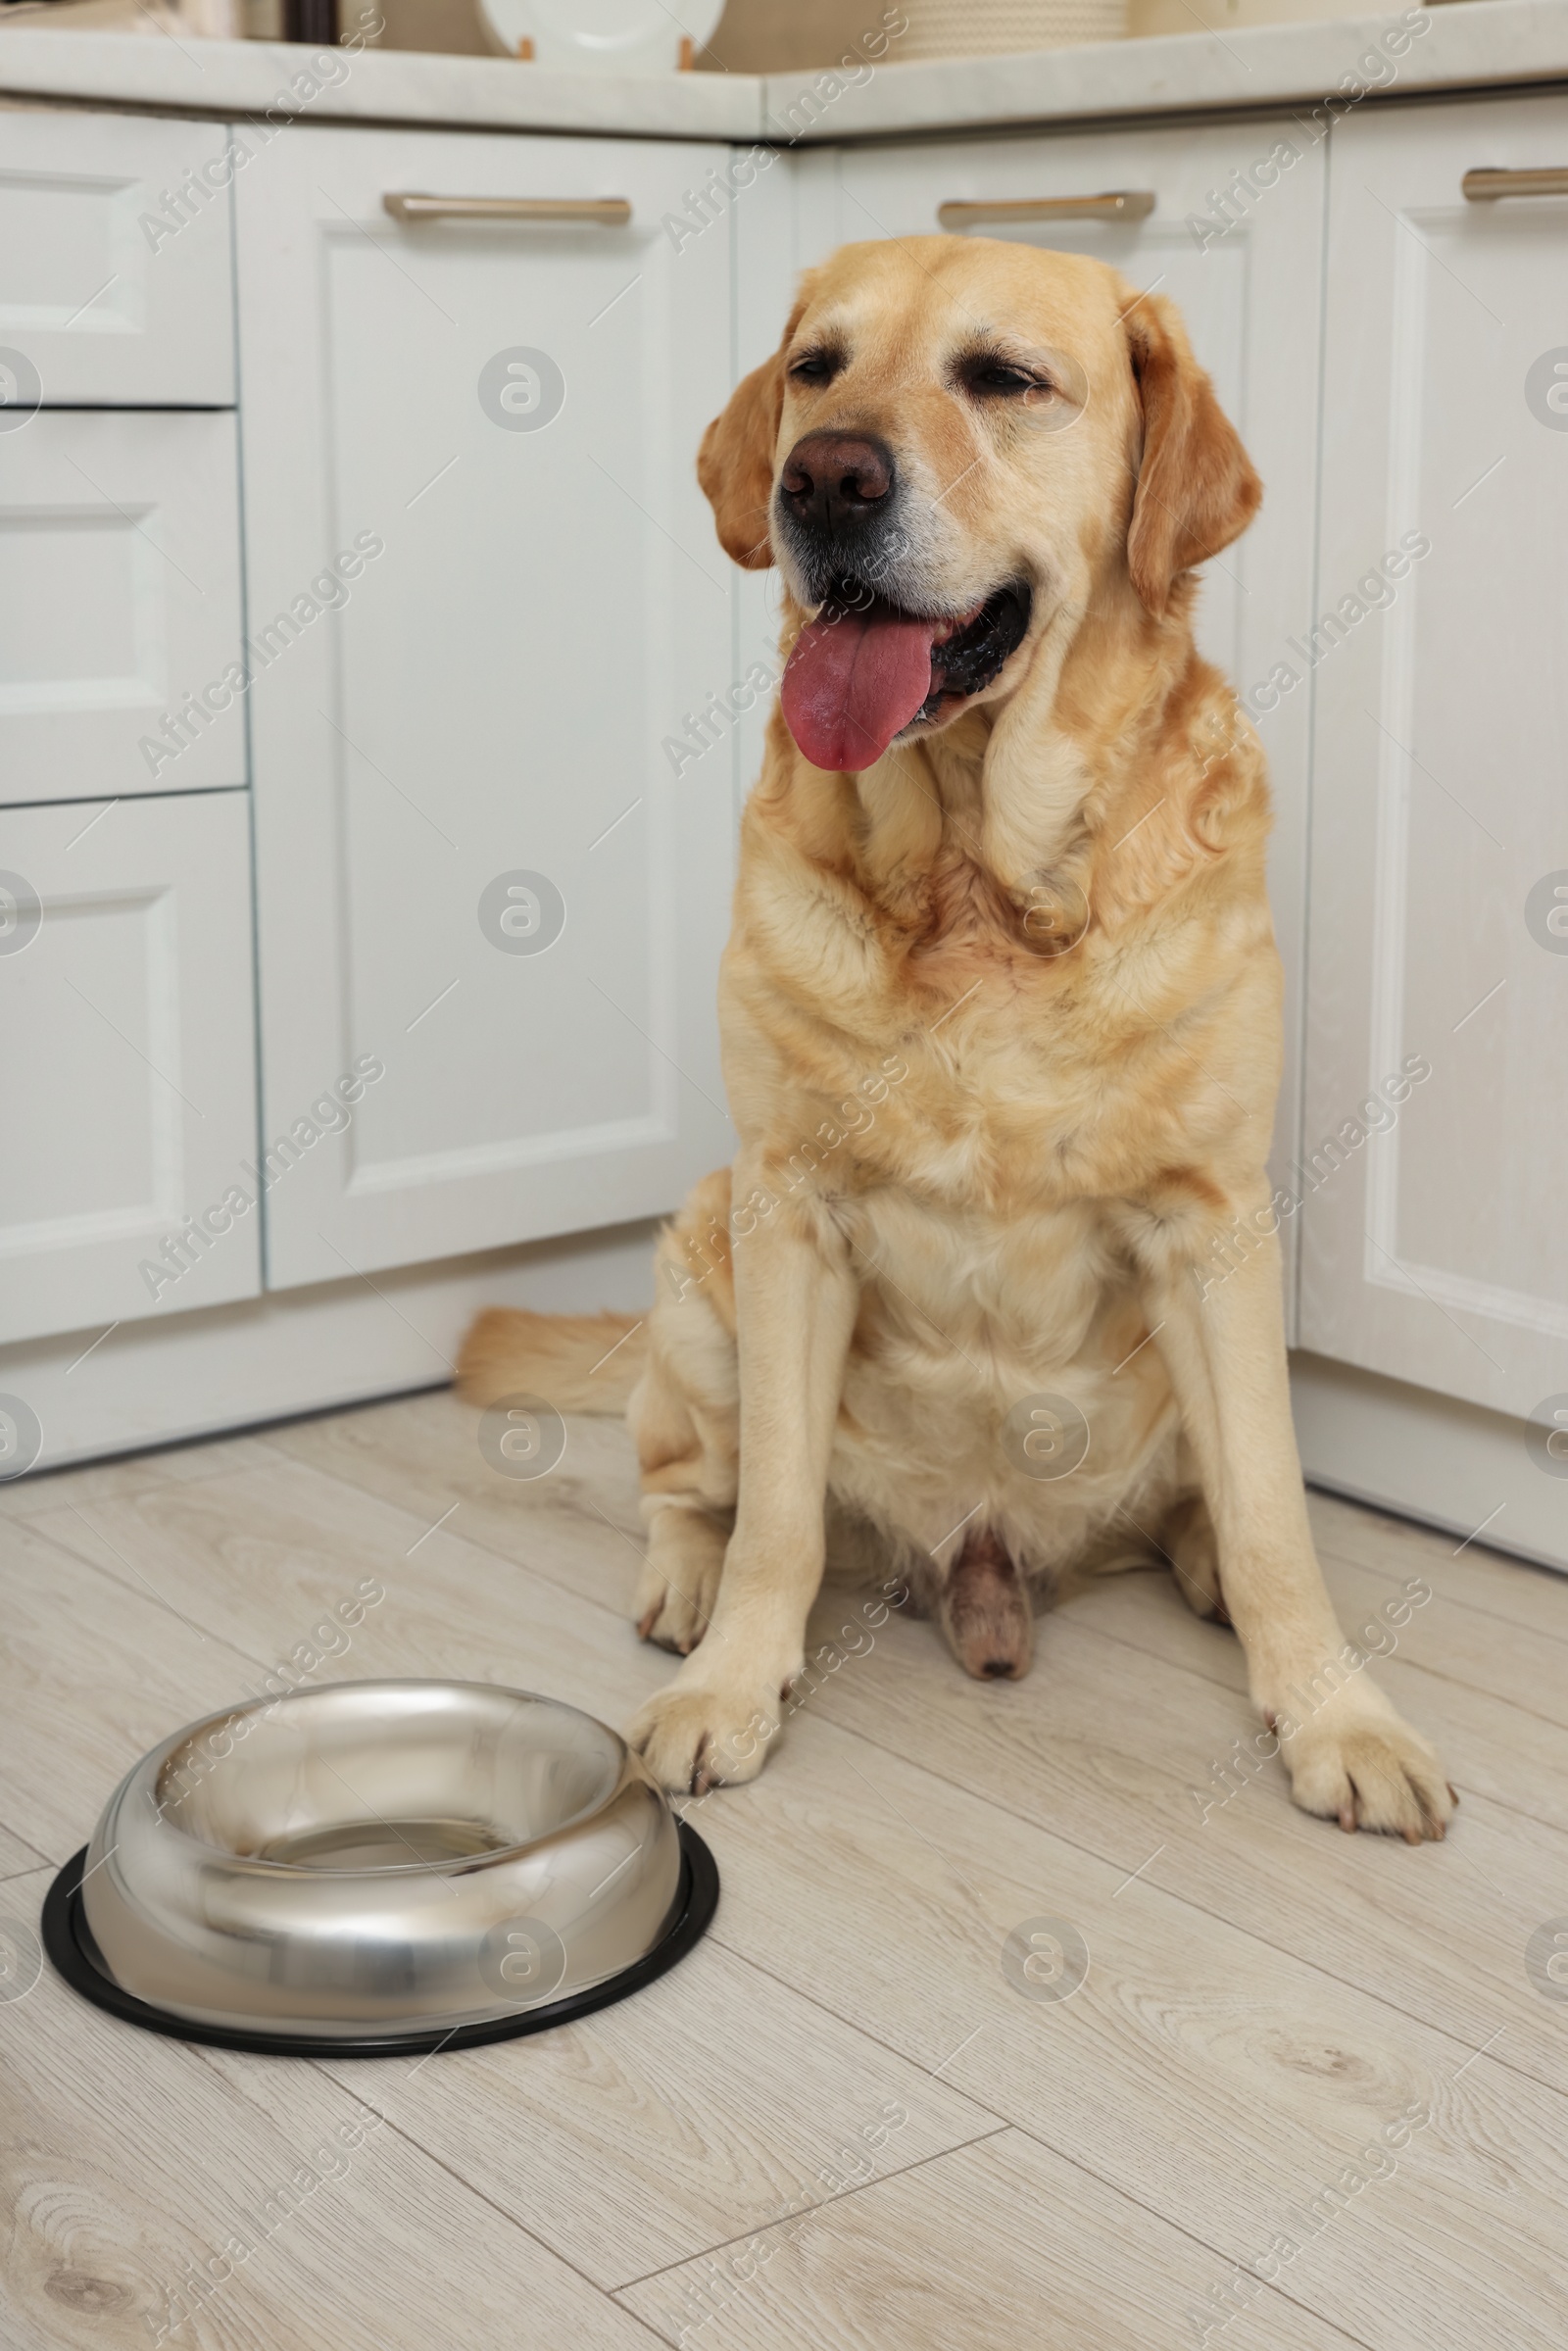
<point>694,1737</point>
<point>1358,1762</point>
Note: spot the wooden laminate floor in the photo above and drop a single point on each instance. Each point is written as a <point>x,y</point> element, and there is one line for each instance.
<point>1308,2095</point>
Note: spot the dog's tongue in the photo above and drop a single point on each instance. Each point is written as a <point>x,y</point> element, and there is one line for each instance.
<point>853,683</point>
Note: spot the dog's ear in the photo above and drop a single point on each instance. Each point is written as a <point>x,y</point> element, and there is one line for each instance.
<point>735,463</point>
<point>1196,490</point>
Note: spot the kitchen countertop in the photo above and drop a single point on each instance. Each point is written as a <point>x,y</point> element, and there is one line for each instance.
<point>377,85</point>
<point>1477,44</point>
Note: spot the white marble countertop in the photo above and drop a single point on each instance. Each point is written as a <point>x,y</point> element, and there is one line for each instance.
<point>1477,44</point>
<point>1474,45</point>
<point>377,85</point>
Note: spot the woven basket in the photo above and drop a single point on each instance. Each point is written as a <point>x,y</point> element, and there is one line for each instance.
<point>1005,27</point>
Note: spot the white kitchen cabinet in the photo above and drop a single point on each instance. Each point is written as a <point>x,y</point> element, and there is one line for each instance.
<point>114,268</point>
<point>1247,279</point>
<point>127,1066</point>
<point>486,607</point>
<point>120,605</point>
<point>1435,1247</point>
<point>484,593</point>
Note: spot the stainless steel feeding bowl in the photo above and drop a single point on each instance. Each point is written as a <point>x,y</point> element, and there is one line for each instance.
<point>380,1864</point>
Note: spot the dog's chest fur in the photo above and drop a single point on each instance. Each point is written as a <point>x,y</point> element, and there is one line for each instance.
<point>1000,1094</point>
<point>1027,1082</point>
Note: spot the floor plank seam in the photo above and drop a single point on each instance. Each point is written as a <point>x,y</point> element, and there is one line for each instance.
<point>1213,1682</point>
<point>362,1490</point>
<point>41,1858</point>
<point>34,1869</point>
<point>1010,2122</point>
<point>1119,2188</point>
<point>875,2038</point>
<point>844,2195</point>
<point>1198,1909</point>
<point>1472,1606</point>
<point>1420,1665</point>
<point>617,1616</point>
<point>1510,1705</point>
<point>1432,1672</point>
<point>148,1598</point>
<point>1386,1512</point>
<point>401,2130</point>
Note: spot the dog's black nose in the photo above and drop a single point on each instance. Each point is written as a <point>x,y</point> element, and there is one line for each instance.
<point>835,481</point>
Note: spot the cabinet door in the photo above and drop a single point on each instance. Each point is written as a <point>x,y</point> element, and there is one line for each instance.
<point>1434,1245</point>
<point>1245,274</point>
<point>484,594</point>
<point>127,1066</point>
<point>115,271</point>
<point>120,607</point>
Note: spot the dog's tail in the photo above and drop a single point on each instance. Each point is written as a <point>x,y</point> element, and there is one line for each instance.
<point>577,1362</point>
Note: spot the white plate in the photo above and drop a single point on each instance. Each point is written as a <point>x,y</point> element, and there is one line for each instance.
<point>601,36</point>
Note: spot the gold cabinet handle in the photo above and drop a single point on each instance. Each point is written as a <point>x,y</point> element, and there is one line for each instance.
<point>1484,187</point>
<point>604,211</point>
<point>1121,204</point>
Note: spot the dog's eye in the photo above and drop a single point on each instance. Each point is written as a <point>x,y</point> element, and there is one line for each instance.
<point>816,367</point>
<point>998,377</point>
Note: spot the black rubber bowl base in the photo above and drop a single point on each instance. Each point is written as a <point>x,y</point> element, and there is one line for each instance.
<point>68,1943</point>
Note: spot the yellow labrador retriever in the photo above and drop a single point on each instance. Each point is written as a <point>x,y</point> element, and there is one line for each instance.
<point>1001,1014</point>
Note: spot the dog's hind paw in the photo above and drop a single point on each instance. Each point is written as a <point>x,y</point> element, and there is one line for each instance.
<point>678,1586</point>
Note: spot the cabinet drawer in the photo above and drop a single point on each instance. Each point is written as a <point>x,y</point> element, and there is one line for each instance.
<point>115,283</point>
<point>120,601</point>
<point>126,1061</point>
